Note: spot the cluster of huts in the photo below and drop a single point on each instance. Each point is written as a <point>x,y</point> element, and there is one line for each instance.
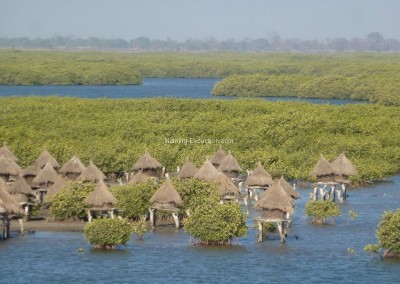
<point>22,188</point>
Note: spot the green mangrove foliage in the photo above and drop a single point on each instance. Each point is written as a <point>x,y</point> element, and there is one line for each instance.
<point>320,211</point>
<point>133,200</point>
<point>106,233</point>
<point>216,223</point>
<point>388,235</point>
<point>376,88</point>
<point>287,137</point>
<point>69,204</point>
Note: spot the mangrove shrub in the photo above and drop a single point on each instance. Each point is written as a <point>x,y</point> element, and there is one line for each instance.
<point>320,211</point>
<point>106,233</point>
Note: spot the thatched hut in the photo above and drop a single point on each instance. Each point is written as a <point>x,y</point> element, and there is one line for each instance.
<point>218,157</point>
<point>148,165</point>
<point>207,172</point>
<point>45,177</point>
<point>166,198</point>
<point>59,183</point>
<point>226,188</point>
<point>9,208</point>
<point>44,158</point>
<point>30,173</point>
<point>289,189</point>
<point>73,168</point>
<point>188,170</point>
<point>230,166</point>
<point>7,153</point>
<point>323,170</point>
<point>259,178</point>
<point>91,174</point>
<point>140,177</point>
<point>23,193</point>
<point>100,199</point>
<point>9,169</point>
<point>275,204</point>
<point>343,167</point>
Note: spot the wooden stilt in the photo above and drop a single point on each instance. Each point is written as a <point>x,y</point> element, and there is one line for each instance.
<point>152,217</point>
<point>7,227</point>
<point>21,225</point>
<point>260,232</point>
<point>112,213</point>
<point>176,219</point>
<point>89,215</point>
<point>282,232</point>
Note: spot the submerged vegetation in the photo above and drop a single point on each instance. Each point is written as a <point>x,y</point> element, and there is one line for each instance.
<point>286,137</point>
<point>360,76</point>
<point>321,211</point>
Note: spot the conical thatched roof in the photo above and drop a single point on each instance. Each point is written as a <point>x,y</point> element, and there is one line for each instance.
<point>188,170</point>
<point>101,198</point>
<point>322,168</point>
<point>289,189</point>
<point>146,162</point>
<point>275,198</point>
<point>91,174</point>
<point>229,164</point>
<point>166,197</point>
<point>32,170</point>
<point>46,175</point>
<point>20,186</point>
<point>74,166</point>
<point>207,172</point>
<point>343,166</point>
<point>260,177</point>
<point>7,153</point>
<point>44,158</point>
<point>226,186</point>
<point>10,205</point>
<point>57,186</point>
<point>140,177</point>
<point>9,167</point>
<point>218,157</point>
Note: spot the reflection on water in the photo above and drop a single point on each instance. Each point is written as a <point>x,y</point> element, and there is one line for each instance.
<point>311,254</point>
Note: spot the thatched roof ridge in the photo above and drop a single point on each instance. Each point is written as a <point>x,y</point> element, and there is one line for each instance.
<point>20,186</point>
<point>9,166</point>
<point>207,172</point>
<point>166,195</point>
<point>44,158</point>
<point>259,177</point>
<point>229,164</point>
<point>7,153</point>
<point>91,174</point>
<point>289,189</point>
<point>101,198</point>
<point>140,177</point>
<point>146,162</point>
<point>59,182</point>
<point>73,166</point>
<point>218,157</point>
<point>322,168</point>
<point>226,186</point>
<point>188,170</point>
<point>10,205</point>
<point>343,166</point>
<point>275,198</point>
<point>46,175</point>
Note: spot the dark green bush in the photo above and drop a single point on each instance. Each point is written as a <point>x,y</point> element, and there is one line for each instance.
<point>320,210</point>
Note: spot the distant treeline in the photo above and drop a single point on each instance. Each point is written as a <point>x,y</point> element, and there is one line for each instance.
<point>372,42</point>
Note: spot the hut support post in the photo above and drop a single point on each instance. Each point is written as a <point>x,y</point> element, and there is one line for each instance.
<point>344,191</point>
<point>282,231</point>
<point>2,228</point>
<point>260,232</point>
<point>6,233</point>
<point>112,213</point>
<point>176,219</point>
<point>152,217</point>
<point>89,215</point>
<point>27,212</point>
<point>21,225</point>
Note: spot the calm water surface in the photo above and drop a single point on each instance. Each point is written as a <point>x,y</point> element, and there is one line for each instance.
<point>151,87</point>
<point>312,254</point>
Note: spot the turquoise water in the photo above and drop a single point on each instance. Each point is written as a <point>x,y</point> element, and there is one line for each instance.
<point>151,87</point>
<point>312,254</point>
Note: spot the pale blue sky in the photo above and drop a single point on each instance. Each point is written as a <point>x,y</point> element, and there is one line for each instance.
<point>200,19</point>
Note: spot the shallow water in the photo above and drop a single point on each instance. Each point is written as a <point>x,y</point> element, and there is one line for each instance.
<point>194,88</point>
<point>312,254</point>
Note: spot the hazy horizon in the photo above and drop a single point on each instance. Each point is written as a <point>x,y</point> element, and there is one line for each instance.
<point>181,20</point>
